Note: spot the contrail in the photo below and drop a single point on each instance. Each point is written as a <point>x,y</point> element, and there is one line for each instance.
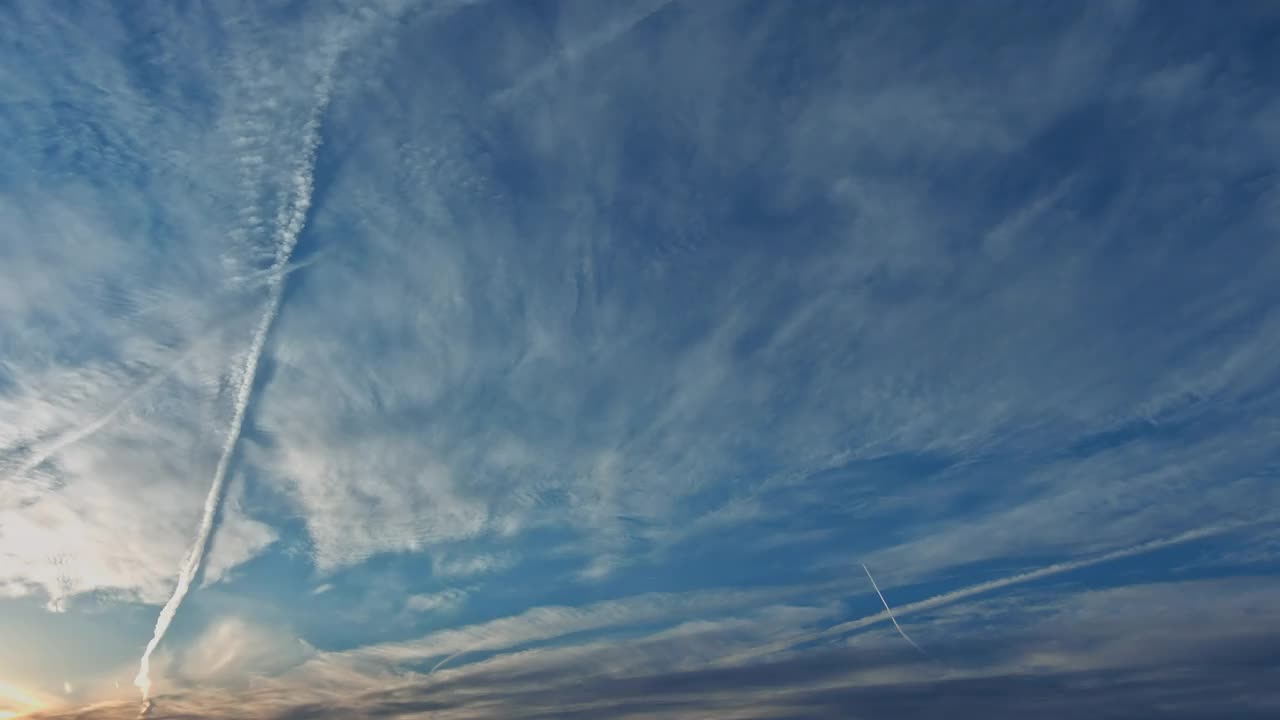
<point>901,632</point>
<point>575,52</point>
<point>191,564</point>
<point>441,664</point>
<point>158,376</point>
<point>997,584</point>
<point>75,435</point>
<point>1043,572</point>
<point>291,226</point>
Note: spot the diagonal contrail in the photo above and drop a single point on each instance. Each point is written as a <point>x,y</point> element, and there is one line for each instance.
<point>75,435</point>
<point>1000,583</point>
<point>901,632</point>
<point>579,50</point>
<point>1042,572</point>
<point>441,664</point>
<point>158,376</point>
<point>291,225</point>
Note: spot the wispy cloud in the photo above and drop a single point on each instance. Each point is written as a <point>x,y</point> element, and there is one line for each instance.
<point>544,623</point>
<point>443,565</point>
<point>659,297</point>
<point>231,650</point>
<point>291,219</point>
<point>436,602</point>
<point>674,672</point>
<point>581,45</point>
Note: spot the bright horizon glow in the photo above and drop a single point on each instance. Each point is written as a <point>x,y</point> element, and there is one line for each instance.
<point>13,693</point>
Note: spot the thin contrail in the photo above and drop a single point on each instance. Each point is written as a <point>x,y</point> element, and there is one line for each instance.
<point>83,432</point>
<point>288,238</point>
<point>901,632</point>
<point>1030,575</point>
<point>75,435</point>
<point>575,52</point>
<point>441,664</point>
<point>964,593</point>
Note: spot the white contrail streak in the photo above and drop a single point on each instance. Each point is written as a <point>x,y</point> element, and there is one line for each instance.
<point>1000,583</point>
<point>77,434</point>
<point>291,226</point>
<point>1030,575</point>
<point>579,50</point>
<point>441,664</point>
<point>191,564</point>
<point>901,632</point>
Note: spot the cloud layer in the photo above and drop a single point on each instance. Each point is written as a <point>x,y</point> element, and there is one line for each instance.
<point>690,668</point>
<point>567,357</point>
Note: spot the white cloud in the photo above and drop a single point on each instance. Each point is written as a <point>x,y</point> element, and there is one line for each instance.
<point>612,350</point>
<point>481,376</point>
<point>600,567</point>
<point>545,623</point>
<point>442,601</point>
<point>445,565</point>
<point>1092,504</point>
<point>413,509</point>
<point>726,668</point>
<point>89,531</point>
<point>129,301</point>
<point>238,539</point>
<point>232,650</point>
<point>543,389</point>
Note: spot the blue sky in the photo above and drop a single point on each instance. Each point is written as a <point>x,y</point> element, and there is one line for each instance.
<point>571,359</point>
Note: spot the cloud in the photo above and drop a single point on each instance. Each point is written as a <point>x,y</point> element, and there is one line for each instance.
<point>544,623</point>
<point>127,414</point>
<point>290,220</point>
<point>1030,575</point>
<point>557,373</point>
<point>715,293</point>
<point>442,565</point>
<point>581,45</point>
<point>436,602</point>
<point>1078,655</point>
<point>1087,504</point>
<point>125,350</point>
<point>231,650</point>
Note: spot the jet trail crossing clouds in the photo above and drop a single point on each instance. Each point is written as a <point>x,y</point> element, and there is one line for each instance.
<point>890,612</point>
<point>292,219</point>
<point>77,434</point>
<point>1031,575</point>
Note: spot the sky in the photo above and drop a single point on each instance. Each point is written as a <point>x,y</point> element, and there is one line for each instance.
<point>653,358</point>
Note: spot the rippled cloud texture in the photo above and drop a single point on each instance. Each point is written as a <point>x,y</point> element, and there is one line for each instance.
<point>579,359</point>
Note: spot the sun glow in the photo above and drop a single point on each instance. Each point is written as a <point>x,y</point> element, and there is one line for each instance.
<point>11,696</point>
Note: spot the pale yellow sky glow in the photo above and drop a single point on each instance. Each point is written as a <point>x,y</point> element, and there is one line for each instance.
<point>15,702</point>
